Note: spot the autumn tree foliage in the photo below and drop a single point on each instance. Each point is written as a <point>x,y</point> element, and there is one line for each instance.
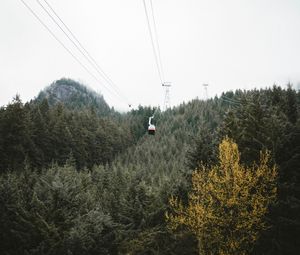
<point>227,204</point>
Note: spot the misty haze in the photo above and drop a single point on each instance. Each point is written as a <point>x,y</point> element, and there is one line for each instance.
<point>150,127</point>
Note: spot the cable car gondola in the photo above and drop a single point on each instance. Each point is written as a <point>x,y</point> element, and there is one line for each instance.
<point>151,127</point>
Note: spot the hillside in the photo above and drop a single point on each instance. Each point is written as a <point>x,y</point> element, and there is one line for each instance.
<point>109,192</point>
<point>67,121</point>
<point>73,95</point>
<point>187,136</point>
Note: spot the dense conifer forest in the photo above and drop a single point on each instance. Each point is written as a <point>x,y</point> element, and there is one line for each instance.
<point>77,177</point>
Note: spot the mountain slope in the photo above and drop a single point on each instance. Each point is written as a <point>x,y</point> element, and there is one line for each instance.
<point>74,96</point>
<point>116,202</point>
<point>257,120</point>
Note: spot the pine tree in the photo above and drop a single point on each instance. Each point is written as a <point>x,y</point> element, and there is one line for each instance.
<point>291,104</point>
<point>13,133</point>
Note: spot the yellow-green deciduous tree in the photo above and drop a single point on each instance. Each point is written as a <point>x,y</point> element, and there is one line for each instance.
<point>227,204</point>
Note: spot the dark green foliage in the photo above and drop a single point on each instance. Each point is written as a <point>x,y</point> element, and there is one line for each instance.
<point>291,105</point>
<point>111,196</point>
<point>43,135</point>
<point>203,151</point>
<point>55,212</point>
<point>14,136</point>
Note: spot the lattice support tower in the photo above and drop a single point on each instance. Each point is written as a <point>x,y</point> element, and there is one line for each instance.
<point>205,85</point>
<point>167,103</point>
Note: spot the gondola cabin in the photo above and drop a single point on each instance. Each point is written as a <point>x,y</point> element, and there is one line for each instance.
<point>151,127</point>
<point>151,130</point>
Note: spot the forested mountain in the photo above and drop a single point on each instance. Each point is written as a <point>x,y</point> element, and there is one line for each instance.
<point>73,182</point>
<point>73,95</point>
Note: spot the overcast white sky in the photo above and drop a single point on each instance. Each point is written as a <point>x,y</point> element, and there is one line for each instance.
<point>228,44</point>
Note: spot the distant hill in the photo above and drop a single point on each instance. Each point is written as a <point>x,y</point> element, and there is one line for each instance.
<point>73,95</point>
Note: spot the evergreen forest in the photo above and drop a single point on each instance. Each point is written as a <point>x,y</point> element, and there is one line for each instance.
<point>220,176</point>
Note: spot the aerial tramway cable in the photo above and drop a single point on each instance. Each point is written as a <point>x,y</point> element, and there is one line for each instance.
<point>70,52</point>
<point>82,49</point>
<point>157,40</point>
<point>156,51</point>
<point>154,47</point>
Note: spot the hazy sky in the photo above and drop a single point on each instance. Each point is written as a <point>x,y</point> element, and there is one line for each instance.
<point>228,44</point>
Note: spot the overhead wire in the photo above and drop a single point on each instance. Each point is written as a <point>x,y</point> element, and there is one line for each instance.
<point>229,101</point>
<point>57,39</point>
<point>64,46</point>
<point>234,101</point>
<point>153,43</point>
<point>238,104</point>
<point>157,40</point>
<point>82,49</point>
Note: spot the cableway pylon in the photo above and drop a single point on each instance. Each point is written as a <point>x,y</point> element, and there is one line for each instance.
<point>167,103</point>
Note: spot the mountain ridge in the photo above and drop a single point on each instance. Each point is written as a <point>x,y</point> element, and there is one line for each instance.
<point>73,95</point>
